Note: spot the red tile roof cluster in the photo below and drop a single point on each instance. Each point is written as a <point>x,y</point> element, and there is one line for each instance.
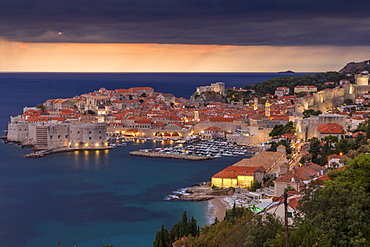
<point>302,173</point>
<point>330,128</point>
<point>143,121</point>
<point>158,124</point>
<point>213,128</point>
<point>355,135</point>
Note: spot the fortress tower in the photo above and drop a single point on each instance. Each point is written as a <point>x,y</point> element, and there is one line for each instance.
<point>362,79</point>
<point>362,83</point>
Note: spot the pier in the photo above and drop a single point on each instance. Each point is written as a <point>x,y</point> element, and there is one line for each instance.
<point>42,153</point>
<point>170,156</point>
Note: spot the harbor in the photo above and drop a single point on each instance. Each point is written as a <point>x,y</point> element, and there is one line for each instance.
<point>198,150</point>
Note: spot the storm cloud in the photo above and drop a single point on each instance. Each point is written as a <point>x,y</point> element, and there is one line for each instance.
<point>238,22</point>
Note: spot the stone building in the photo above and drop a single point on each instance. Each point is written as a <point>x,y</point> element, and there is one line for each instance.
<point>52,135</point>
<point>274,163</point>
<point>237,176</point>
<point>309,89</point>
<point>218,87</point>
<point>330,129</point>
<point>308,127</point>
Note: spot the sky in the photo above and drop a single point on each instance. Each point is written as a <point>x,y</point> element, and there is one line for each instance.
<point>182,35</point>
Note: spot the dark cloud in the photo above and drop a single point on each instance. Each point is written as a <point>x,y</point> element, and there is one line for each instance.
<point>238,22</point>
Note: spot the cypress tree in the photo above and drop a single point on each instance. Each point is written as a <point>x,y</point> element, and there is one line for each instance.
<point>162,238</point>
<point>193,227</point>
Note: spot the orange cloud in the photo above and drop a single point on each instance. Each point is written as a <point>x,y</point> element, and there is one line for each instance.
<point>72,57</point>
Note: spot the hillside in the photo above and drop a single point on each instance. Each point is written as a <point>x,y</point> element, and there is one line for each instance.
<point>352,67</point>
<point>317,80</point>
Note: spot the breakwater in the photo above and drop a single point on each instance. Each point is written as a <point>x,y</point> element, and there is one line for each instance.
<point>170,156</point>
<point>42,153</point>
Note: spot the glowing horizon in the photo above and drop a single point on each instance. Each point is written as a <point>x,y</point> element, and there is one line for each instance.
<point>112,57</point>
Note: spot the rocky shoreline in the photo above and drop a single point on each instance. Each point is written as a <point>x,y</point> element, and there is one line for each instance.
<point>201,193</point>
<point>170,156</point>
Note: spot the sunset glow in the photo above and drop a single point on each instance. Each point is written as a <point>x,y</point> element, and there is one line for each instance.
<point>82,57</point>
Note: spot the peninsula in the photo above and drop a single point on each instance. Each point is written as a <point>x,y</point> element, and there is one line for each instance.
<point>243,117</point>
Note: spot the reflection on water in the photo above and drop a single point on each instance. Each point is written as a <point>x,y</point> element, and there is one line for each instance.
<point>97,159</point>
<point>90,159</point>
<point>86,159</point>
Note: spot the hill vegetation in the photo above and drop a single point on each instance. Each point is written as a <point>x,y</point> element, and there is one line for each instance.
<point>317,80</point>
<point>334,215</point>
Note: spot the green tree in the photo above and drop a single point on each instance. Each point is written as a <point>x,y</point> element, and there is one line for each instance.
<point>277,130</point>
<point>162,238</point>
<point>310,112</point>
<point>183,228</point>
<point>315,149</point>
<point>280,129</point>
<point>289,128</point>
<point>261,229</point>
<point>273,146</point>
<point>330,140</point>
<point>303,235</point>
<point>340,209</point>
<point>341,214</point>
<point>343,146</point>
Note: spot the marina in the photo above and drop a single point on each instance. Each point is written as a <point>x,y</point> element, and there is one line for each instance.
<point>203,148</point>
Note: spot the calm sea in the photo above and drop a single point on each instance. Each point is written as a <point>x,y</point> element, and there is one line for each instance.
<point>88,199</point>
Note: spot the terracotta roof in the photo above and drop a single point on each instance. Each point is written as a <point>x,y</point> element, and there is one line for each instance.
<point>265,159</point>
<point>146,121</point>
<point>358,118</point>
<point>141,88</point>
<point>289,136</point>
<point>179,124</point>
<point>37,119</point>
<point>214,128</point>
<point>158,124</point>
<point>301,174</point>
<point>121,90</point>
<point>358,133</point>
<point>330,128</point>
<point>294,202</point>
<point>335,156</point>
<point>235,171</point>
<point>221,119</point>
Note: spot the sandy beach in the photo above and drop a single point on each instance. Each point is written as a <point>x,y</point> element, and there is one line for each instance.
<point>218,208</point>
